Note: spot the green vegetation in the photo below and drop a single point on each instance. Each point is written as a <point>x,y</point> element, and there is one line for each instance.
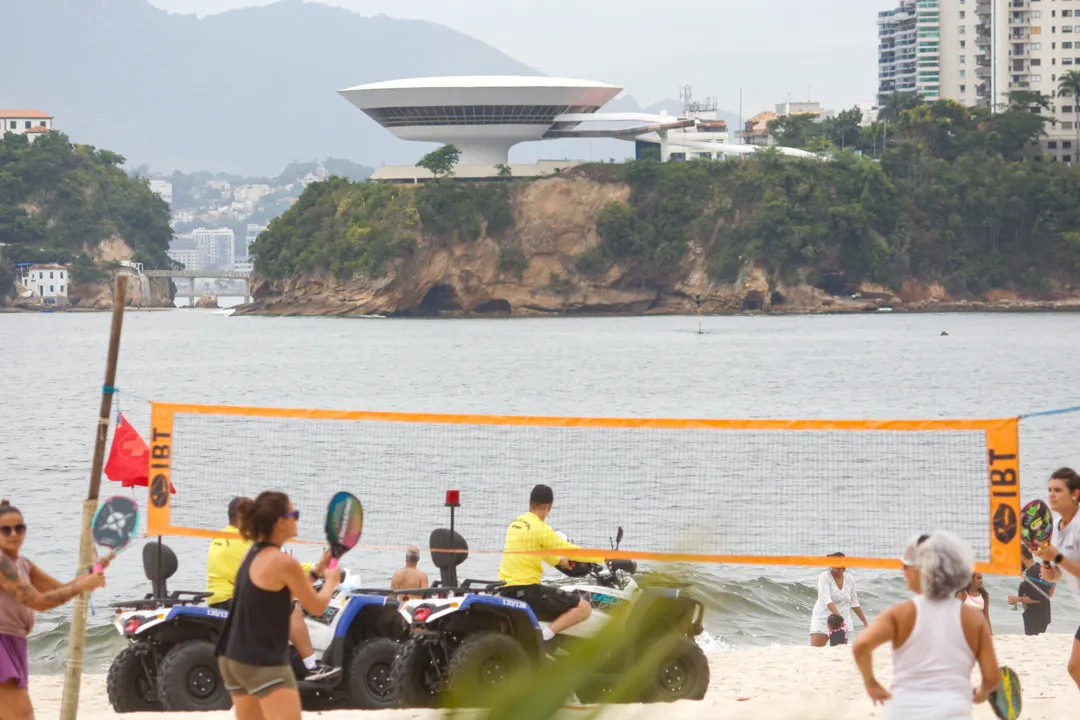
<point>441,162</point>
<point>512,260</point>
<point>340,227</point>
<point>59,201</point>
<point>346,228</point>
<point>959,196</point>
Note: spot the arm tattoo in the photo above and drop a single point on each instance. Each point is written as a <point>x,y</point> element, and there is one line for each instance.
<point>27,594</point>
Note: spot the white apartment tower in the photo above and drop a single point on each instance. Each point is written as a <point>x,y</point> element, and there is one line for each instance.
<point>978,51</point>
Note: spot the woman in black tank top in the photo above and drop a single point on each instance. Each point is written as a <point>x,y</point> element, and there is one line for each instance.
<point>253,651</point>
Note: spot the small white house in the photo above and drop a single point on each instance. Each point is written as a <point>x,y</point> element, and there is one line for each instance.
<point>47,281</point>
<point>25,122</point>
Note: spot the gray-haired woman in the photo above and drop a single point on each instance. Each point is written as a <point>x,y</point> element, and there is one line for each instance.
<point>936,639</point>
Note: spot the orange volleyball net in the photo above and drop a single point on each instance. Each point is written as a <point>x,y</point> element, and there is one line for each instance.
<point>761,492</point>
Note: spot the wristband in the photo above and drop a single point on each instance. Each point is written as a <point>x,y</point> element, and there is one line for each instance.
<point>1058,559</point>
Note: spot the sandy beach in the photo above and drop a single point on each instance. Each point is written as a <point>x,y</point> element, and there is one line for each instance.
<point>796,683</point>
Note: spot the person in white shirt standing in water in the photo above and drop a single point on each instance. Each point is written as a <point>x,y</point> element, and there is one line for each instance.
<point>836,596</point>
<point>936,638</point>
<point>1064,547</point>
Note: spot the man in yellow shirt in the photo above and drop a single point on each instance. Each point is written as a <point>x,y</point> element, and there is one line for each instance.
<point>522,573</point>
<point>223,561</point>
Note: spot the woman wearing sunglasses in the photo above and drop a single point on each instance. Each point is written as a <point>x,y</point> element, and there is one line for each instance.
<point>936,638</point>
<point>26,588</point>
<point>253,652</point>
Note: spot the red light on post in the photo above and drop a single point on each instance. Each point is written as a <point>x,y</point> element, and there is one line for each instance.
<point>453,498</point>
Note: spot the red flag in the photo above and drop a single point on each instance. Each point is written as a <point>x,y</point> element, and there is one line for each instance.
<point>129,458</point>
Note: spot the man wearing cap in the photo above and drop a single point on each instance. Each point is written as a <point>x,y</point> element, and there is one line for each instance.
<point>223,561</point>
<point>522,573</point>
<point>409,577</point>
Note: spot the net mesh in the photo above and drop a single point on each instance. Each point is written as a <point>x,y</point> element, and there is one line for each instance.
<point>751,493</point>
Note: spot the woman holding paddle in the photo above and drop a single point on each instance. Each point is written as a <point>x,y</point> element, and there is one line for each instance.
<point>1064,548</point>
<point>254,646</point>
<point>936,638</point>
<point>26,588</point>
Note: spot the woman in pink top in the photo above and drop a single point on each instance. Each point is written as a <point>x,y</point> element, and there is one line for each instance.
<point>936,638</point>
<point>25,589</point>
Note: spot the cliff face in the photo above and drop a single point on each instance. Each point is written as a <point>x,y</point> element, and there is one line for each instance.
<point>555,222</point>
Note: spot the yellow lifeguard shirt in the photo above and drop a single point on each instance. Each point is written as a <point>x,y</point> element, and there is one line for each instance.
<point>528,532</point>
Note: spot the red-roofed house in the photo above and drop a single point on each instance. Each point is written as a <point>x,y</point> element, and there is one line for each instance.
<point>25,122</point>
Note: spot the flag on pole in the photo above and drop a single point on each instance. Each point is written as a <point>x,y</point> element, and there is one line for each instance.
<point>129,457</point>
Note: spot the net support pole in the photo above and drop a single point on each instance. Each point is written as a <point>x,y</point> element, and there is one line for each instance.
<point>69,705</point>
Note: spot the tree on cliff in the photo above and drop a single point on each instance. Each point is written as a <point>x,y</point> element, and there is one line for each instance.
<point>1069,86</point>
<point>59,201</point>
<point>441,162</point>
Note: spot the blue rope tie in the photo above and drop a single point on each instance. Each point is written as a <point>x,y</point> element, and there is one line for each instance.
<point>1045,413</point>
<point>108,390</point>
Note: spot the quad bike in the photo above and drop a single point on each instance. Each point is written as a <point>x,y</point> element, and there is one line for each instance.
<point>468,639</point>
<point>169,662</point>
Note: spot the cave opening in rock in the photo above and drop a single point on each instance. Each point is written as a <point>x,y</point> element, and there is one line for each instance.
<point>439,299</point>
<point>753,301</point>
<point>777,298</point>
<point>493,307</point>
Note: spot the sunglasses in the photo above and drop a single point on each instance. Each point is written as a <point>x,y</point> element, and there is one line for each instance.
<point>19,529</point>
<point>294,514</point>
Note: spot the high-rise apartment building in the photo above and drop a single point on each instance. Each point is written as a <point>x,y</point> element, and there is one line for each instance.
<point>978,51</point>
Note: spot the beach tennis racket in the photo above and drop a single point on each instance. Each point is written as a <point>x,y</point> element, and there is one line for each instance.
<point>1006,700</point>
<point>1036,524</point>
<point>344,523</point>
<point>114,526</point>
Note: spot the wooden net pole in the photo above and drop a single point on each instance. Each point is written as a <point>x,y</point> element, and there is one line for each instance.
<point>69,706</point>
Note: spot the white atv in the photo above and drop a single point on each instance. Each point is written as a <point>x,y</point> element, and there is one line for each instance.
<point>467,639</point>
<point>169,662</point>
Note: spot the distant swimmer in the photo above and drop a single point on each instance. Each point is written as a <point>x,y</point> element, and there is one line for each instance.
<point>977,597</point>
<point>836,595</point>
<point>936,638</point>
<point>409,577</point>
<point>26,588</point>
<point>1063,497</point>
<point>223,560</point>
<point>253,651</point>
<point>943,333</point>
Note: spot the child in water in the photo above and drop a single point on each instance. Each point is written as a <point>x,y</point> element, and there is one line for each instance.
<point>837,631</point>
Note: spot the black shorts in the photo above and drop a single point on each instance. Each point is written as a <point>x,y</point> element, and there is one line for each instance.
<point>223,605</point>
<point>547,602</point>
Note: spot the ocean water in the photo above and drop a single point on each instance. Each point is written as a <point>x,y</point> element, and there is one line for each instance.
<point>860,366</point>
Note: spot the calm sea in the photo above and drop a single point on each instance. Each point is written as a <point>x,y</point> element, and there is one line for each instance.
<point>862,366</point>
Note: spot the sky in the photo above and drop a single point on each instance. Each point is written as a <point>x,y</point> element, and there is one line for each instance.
<point>773,50</point>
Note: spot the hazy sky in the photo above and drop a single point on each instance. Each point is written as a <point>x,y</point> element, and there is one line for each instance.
<point>772,49</point>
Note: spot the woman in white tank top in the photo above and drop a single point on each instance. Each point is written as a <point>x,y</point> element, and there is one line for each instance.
<point>1064,548</point>
<point>936,638</point>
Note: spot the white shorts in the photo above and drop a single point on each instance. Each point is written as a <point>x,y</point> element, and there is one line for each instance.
<point>928,706</point>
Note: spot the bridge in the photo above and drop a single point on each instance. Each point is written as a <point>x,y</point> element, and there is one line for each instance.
<point>194,275</point>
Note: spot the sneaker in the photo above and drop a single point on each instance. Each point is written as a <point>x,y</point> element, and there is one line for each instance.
<point>321,672</point>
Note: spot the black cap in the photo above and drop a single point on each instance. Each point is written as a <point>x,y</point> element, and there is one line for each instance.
<point>233,505</point>
<point>541,495</point>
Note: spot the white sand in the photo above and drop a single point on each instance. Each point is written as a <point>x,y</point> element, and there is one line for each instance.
<point>800,683</point>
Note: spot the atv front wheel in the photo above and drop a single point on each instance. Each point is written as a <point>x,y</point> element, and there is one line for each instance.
<point>131,685</point>
<point>414,675</point>
<point>682,675</point>
<point>189,678</point>
<point>483,663</point>
<point>368,674</point>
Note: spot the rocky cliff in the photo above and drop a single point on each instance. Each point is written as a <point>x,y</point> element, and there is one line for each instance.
<point>554,225</point>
